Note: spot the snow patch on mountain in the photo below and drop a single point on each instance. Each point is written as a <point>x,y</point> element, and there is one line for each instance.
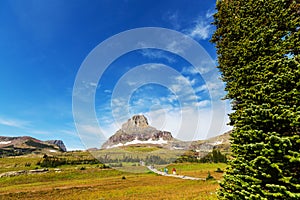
<point>5,142</point>
<point>218,142</point>
<point>136,141</point>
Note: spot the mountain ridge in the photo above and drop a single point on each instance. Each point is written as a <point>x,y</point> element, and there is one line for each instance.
<point>137,131</point>
<point>22,145</point>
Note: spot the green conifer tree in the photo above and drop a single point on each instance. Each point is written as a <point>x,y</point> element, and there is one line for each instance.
<point>258,43</point>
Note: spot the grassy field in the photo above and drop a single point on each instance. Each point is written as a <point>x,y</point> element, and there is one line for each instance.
<point>138,153</point>
<point>95,183</point>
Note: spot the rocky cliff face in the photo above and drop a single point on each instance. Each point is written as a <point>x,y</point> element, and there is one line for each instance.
<point>137,131</point>
<point>14,146</point>
<point>221,142</point>
<point>58,143</point>
<point>137,121</point>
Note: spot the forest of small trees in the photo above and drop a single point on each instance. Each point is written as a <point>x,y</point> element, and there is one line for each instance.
<point>216,156</point>
<point>54,161</point>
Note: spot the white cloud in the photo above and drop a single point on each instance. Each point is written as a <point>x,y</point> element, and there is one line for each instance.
<point>120,109</point>
<point>193,81</point>
<point>83,91</point>
<point>202,30</point>
<point>157,54</point>
<point>203,103</point>
<point>152,66</point>
<point>205,67</point>
<point>90,129</point>
<point>216,89</point>
<point>193,98</point>
<point>92,135</point>
<point>140,103</point>
<point>189,70</point>
<point>173,19</point>
<point>209,13</point>
<point>176,47</point>
<point>170,98</point>
<point>93,84</point>
<point>183,88</point>
<point>13,122</point>
<point>131,83</point>
<point>201,88</point>
<point>188,123</point>
<point>118,102</point>
<point>89,85</point>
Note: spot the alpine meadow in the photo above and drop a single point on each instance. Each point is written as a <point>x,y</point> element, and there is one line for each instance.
<point>150,99</point>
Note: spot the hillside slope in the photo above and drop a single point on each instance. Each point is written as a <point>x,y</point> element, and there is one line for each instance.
<point>14,146</point>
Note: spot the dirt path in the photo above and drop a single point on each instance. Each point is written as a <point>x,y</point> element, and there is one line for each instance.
<point>174,175</point>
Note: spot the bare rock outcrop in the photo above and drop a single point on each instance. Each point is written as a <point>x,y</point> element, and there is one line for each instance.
<point>22,172</point>
<point>137,131</point>
<point>58,143</point>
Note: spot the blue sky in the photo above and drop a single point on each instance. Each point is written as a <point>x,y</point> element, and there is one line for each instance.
<point>44,43</point>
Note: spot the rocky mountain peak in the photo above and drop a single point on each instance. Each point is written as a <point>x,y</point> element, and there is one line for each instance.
<point>59,143</point>
<point>137,131</point>
<point>137,121</point>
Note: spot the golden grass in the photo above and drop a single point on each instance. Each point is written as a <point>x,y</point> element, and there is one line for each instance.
<point>133,187</point>
<point>95,183</point>
<point>198,170</point>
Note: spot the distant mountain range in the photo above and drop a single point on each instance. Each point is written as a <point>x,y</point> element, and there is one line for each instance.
<point>221,142</point>
<point>11,146</point>
<point>137,132</point>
